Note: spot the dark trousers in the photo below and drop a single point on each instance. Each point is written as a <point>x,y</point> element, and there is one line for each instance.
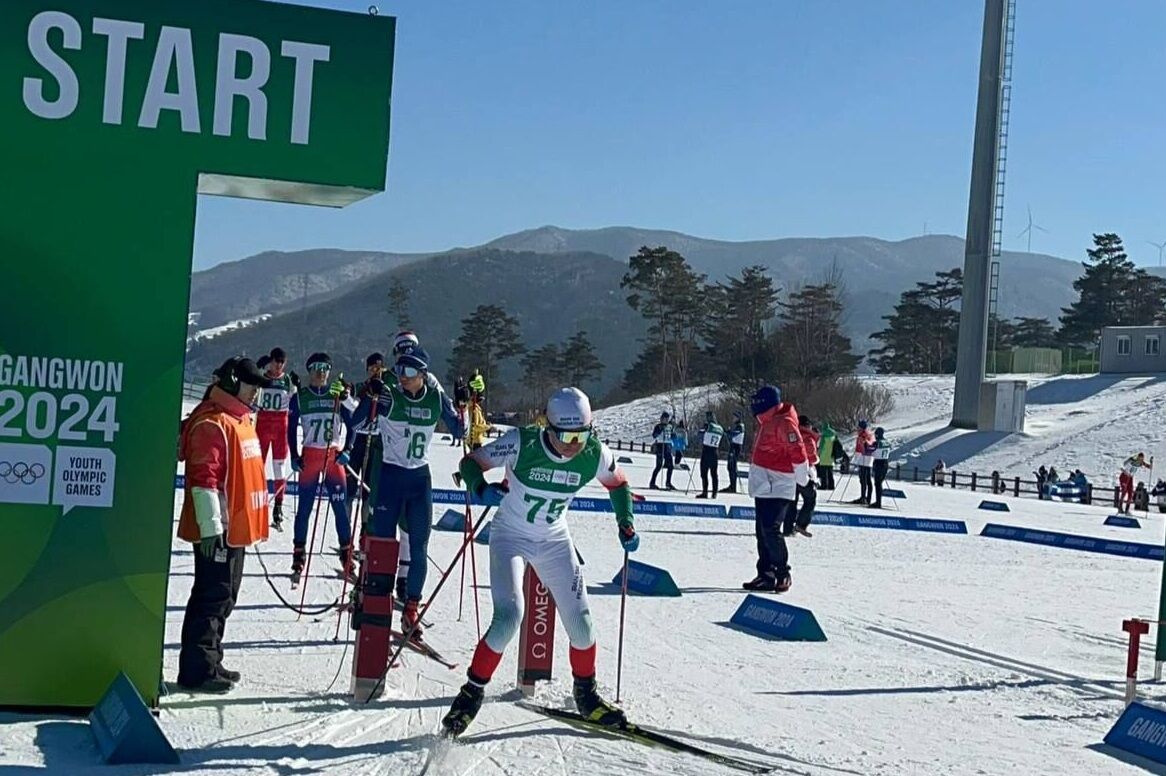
<point>772,554</point>
<point>734,455</point>
<point>708,467</point>
<point>880,474</point>
<point>216,588</point>
<point>805,514</point>
<point>405,497</point>
<point>663,461</point>
<point>826,477</point>
<point>865,484</point>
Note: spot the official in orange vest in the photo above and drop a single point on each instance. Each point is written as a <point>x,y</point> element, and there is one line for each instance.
<point>224,511</point>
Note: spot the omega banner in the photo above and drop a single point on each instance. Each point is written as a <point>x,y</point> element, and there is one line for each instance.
<point>113,115</point>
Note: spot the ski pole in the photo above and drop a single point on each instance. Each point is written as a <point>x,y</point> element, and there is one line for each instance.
<point>623,599</point>
<point>359,504</point>
<point>311,545</point>
<point>432,597</point>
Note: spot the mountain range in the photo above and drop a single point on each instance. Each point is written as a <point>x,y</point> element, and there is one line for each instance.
<point>327,298</point>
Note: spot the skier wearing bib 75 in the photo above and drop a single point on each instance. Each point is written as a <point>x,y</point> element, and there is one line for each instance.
<point>545,469</point>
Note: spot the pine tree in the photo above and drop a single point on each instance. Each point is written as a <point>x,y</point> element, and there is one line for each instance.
<point>489,336</point>
<point>738,314</point>
<point>812,345</point>
<point>923,330</point>
<point>399,303</point>
<point>1102,293</point>
<point>580,364</point>
<point>542,372</point>
<point>1033,333</point>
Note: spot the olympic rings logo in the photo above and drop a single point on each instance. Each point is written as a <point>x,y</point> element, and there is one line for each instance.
<point>24,473</point>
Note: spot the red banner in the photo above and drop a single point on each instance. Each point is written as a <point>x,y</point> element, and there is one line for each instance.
<point>374,616</point>
<point>536,645</point>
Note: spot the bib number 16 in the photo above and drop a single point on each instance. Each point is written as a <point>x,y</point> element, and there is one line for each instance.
<point>554,511</point>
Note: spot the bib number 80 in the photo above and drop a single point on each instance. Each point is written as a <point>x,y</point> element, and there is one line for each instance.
<point>555,507</point>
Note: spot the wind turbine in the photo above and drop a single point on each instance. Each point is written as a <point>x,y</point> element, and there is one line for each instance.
<point>1161,247</point>
<point>1028,230</point>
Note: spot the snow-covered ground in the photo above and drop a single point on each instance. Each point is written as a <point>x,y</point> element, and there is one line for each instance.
<point>947,654</point>
<point>214,331</point>
<point>1089,422</point>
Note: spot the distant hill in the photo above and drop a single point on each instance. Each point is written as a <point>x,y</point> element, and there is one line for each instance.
<point>553,296</point>
<point>276,281</point>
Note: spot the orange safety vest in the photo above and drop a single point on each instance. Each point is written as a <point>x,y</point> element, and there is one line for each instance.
<point>245,515</point>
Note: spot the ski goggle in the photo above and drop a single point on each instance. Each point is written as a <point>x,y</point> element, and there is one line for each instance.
<point>319,366</point>
<point>404,370</point>
<point>572,436</point>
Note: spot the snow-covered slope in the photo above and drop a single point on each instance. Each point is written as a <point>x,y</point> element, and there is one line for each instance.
<point>947,654</point>
<point>1089,422</point>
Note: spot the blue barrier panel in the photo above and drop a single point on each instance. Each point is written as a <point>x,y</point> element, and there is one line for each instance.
<point>773,618</point>
<point>647,580</point>
<point>1121,521</point>
<point>125,730</point>
<point>927,525</point>
<point>994,506</point>
<point>676,509</point>
<point>894,493</point>
<point>1071,542</point>
<point>483,536</point>
<point>585,504</point>
<point>1141,729</point>
<point>742,513</point>
<point>452,520</point>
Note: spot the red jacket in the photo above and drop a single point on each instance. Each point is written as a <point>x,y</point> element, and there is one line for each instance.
<point>810,439</point>
<point>778,444</point>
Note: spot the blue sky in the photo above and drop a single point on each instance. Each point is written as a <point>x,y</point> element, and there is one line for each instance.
<point>743,119</point>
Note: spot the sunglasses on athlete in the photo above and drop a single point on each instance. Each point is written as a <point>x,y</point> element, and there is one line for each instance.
<point>571,436</point>
<point>402,370</point>
<point>319,366</point>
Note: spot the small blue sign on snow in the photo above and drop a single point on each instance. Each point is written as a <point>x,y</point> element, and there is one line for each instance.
<point>894,493</point>
<point>777,620</point>
<point>1121,521</point>
<point>1071,542</point>
<point>1141,729</point>
<point>624,459</point>
<point>742,513</point>
<point>994,506</point>
<point>647,580</point>
<point>125,730</point>
<point>452,520</point>
<point>483,536</point>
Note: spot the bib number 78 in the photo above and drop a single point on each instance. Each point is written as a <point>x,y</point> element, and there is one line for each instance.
<point>554,511</point>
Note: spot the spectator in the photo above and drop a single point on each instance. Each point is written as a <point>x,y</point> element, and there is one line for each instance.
<point>1141,498</point>
<point>679,441</point>
<point>826,457</point>
<point>1159,493</point>
<point>662,446</point>
<point>478,425</point>
<point>799,519</point>
<point>461,402</point>
<point>863,448</point>
<point>1042,476</point>
<point>937,473</point>
<point>880,462</point>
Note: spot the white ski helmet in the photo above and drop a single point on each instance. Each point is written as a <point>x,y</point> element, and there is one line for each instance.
<point>569,409</point>
<point>404,341</point>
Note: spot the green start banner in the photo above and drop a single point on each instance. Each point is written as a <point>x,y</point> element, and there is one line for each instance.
<point>114,114</point>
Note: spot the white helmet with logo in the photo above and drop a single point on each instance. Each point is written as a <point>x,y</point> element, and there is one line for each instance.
<point>403,342</point>
<point>569,409</point>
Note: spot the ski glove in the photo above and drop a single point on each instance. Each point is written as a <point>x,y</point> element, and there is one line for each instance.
<point>375,386</point>
<point>209,545</point>
<point>492,494</point>
<point>628,537</point>
<point>338,390</point>
<point>342,458</point>
<point>297,463</point>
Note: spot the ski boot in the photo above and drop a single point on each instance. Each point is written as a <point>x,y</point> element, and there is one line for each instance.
<point>298,557</point>
<point>228,674</point>
<point>410,622</point>
<point>594,708</point>
<point>463,710</point>
<point>215,684</point>
<point>347,568</point>
<point>784,584</point>
<point>762,583</point>
<point>702,495</point>
<point>277,516</point>
<point>804,531</point>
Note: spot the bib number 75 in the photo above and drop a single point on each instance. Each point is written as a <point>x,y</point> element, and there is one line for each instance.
<point>554,511</point>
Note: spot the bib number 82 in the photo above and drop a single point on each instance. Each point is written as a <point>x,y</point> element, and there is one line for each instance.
<point>555,507</point>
